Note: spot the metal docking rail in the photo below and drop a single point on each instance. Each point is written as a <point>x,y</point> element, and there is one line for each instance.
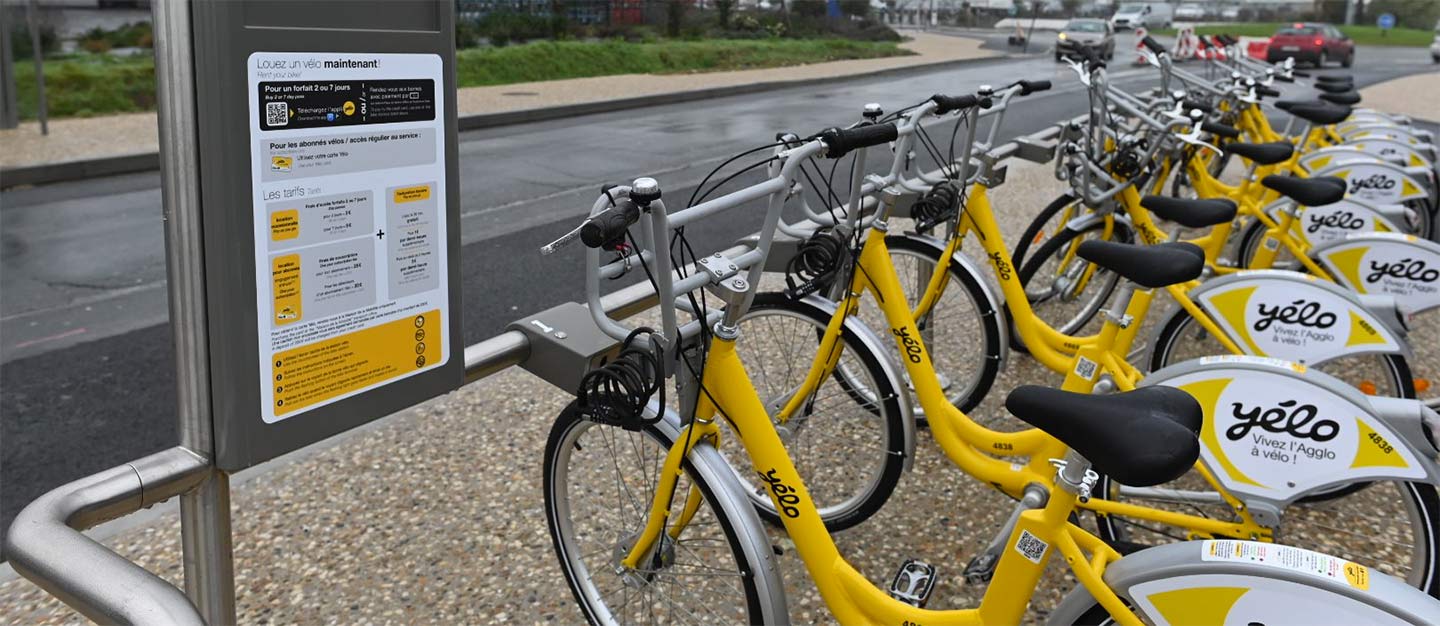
<point>45,543</point>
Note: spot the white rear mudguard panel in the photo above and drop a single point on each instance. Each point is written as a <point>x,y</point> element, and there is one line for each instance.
<point>1294,316</point>
<point>1403,266</point>
<point>1378,182</point>
<point>1322,224</point>
<point>1276,430</point>
<point>1237,583</point>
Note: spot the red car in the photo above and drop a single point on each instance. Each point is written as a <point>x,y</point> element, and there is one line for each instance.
<point>1311,42</point>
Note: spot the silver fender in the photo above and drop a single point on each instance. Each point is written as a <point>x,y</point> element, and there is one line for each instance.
<point>1297,317</point>
<point>1380,182</point>
<point>993,296</point>
<point>1273,593</point>
<point>1276,431</point>
<point>881,349</point>
<point>709,463</point>
<point>1403,266</point>
<point>1415,155</point>
<point>1409,134</point>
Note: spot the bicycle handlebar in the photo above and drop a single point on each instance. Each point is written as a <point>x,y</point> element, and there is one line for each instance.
<point>945,104</point>
<point>1223,130</point>
<point>840,141</point>
<point>1028,87</point>
<point>1153,45</point>
<point>609,225</point>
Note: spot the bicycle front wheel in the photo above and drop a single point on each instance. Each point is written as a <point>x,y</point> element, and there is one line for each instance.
<point>598,483</point>
<point>848,438</point>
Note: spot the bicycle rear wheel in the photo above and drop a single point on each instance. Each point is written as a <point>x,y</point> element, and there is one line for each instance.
<point>1065,290</point>
<point>1390,525</point>
<point>598,483</point>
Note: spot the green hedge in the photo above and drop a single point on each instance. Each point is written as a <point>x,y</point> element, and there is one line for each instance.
<point>552,60</point>
<point>88,85</point>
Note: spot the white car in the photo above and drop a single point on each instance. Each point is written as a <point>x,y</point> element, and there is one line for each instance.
<point>1230,13</point>
<point>1190,11</point>
<point>1435,45</point>
<point>1143,15</point>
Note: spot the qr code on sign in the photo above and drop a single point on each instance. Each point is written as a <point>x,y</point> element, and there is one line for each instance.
<point>1031,547</point>
<point>277,114</point>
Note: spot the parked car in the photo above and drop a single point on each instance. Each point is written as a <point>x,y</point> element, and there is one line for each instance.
<point>1190,11</point>
<point>1085,33</point>
<point>1435,45</point>
<point>1230,13</point>
<point>1311,42</point>
<point>1143,14</point>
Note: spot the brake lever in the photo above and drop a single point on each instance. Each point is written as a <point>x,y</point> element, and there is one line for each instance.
<point>1193,138</point>
<point>1079,69</point>
<point>564,240</point>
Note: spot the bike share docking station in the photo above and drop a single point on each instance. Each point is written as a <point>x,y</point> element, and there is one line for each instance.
<point>312,236</point>
<point>310,190</point>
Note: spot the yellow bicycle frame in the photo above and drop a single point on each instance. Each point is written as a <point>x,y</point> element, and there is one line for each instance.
<point>851,598</point>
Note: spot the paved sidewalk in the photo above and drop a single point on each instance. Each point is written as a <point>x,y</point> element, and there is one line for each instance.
<point>1415,95</point>
<point>114,135</point>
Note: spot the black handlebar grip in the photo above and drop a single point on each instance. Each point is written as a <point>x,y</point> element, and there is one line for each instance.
<point>609,225</point>
<point>1153,45</point>
<point>945,104</point>
<point>1267,91</point>
<point>1195,104</point>
<point>1284,79</point>
<point>1092,57</point>
<point>840,141</point>
<point>1028,87</point>
<point>1229,39</point>
<point>1300,73</point>
<point>1216,128</point>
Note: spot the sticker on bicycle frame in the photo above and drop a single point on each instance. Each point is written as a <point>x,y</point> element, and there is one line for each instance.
<point>1402,266</point>
<point>1031,547</point>
<point>1219,359</point>
<point>1240,597</point>
<point>1272,243</point>
<point>1288,558</point>
<point>1292,317</point>
<point>1275,434</point>
<point>1085,368</point>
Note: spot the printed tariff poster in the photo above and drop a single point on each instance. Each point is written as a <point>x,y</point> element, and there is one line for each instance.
<point>348,177</point>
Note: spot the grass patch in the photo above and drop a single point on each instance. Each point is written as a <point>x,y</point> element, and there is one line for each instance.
<point>87,85</point>
<point>554,60</point>
<point>98,84</point>
<point>1363,35</point>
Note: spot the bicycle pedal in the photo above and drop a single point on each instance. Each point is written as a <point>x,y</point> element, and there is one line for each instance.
<point>980,569</point>
<point>913,583</point>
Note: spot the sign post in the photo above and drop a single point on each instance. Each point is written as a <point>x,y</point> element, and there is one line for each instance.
<point>1386,21</point>
<point>312,232</point>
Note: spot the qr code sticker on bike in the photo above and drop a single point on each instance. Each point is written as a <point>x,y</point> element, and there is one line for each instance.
<point>277,114</point>
<point>1085,368</point>
<point>1031,547</point>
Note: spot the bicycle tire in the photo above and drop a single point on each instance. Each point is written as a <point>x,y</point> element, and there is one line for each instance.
<point>1041,223</point>
<point>842,502</point>
<point>744,538</point>
<point>1092,303</point>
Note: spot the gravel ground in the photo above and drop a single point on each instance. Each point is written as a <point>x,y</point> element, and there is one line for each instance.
<point>437,516</point>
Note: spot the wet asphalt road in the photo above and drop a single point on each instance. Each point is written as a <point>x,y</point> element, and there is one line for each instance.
<point>86,373</point>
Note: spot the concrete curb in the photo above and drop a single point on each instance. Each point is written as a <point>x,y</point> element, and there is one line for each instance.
<point>149,161</point>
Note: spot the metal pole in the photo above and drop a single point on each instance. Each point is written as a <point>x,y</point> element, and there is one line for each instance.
<point>1349,12</point>
<point>205,511</point>
<point>39,55</point>
<point>9,110</point>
